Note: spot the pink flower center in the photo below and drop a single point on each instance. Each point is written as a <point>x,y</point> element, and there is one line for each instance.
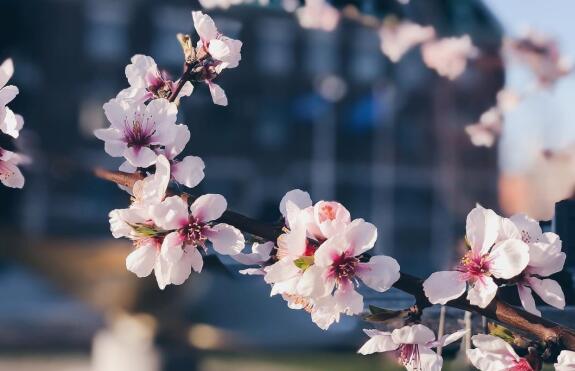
<point>474,266</point>
<point>343,267</point>
<point>139,132</point>
<point>160,84</point>
<point>408,355</point>
<point>194,232</point>
<point>327,213</point>
<point>522,365</point>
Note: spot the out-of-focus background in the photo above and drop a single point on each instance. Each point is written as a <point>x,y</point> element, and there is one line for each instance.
<point>322,111</point>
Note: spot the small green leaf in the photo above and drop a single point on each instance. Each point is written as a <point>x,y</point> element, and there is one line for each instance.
<point>304,262</point>
<point>144,230</point>
<point>501,332</point>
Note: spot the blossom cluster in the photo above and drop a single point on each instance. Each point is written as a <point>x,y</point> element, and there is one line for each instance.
<point>502,251</point>
<point>169,235</point>
<point>321,258</point>
<point>10,125</point>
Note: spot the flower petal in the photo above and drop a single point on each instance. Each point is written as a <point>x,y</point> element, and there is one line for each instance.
<point>170,214</point>
<point>314,283</point>
<point>6,71</point>
<point>361,236</point>
<point>565,361</point>
<point>416,334</point>
<point>172,247</point>
<point>225,239</point>
<point>482,229</point>
<point>378,344</point>
<point>205,26</point>
<point>527,301</point>
<point>142,260</point>
<point>300,198</point>
<point>438,292</point>
<point>189,171</point>
<point>482,292</point>
<point>139,156</point>
<point>508,258</point>
<point>428,360</point>
<point>7,94</point>
<point>548,290</point>
<point>208,207</point>
<point>218,94</point>
<point>347,300</point>
<point>10,175</point>
<point>380,273</point>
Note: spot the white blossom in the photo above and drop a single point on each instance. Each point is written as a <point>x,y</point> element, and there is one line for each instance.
<point>565,361</point>
<point>399,38</point>
<point>492,353</point>
<point>318,14</point>
<point>412,346</point>
<point>488,258</point>
<point>10,123</point>
<point>448,56</point>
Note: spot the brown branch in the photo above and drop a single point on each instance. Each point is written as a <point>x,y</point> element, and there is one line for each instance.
<point>518,319</point>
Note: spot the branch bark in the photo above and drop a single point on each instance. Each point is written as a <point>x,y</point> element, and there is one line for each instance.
<point>536,327</point>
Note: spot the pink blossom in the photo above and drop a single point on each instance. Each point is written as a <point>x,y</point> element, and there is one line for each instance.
<point>223,53</point>
<point>545,259</point>
<point>318,14</point>
<point>487,259</point>
<point>448,56</point>
<point>260,254</point>
<point>148,82</point>
<point>188,232</point>
<point>565,361</point>
<point>487,129</point>
<point>10,174</point>
<point>138,129</point>
<point>399,38</point>
<point>412,345</point>
<point>494,354</point>
<point>10,123</point>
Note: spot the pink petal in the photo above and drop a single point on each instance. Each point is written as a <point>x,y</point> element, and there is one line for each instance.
<point>225,239</point>
<point>438,292</point>
<point>508,258</point>
<point>380,273</point>
<point>189,171</point>
<point>208,207</point>
<point>218,94</point>
<point>482,292</point>
<point>172,247</point>
<point>142,260</point>
<point>416,334</point>
<point>170,214</point>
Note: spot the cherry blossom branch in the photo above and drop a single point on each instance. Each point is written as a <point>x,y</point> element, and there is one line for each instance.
<point>541,329</point>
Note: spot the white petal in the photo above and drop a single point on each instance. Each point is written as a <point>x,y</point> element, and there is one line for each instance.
<point>142,260</point>
<point>438,292</point>
<point>181,138</point>
<point>225,239</point>
<point>186,90</point>
<point>189,171</point>
<point>10,175</point>
<point>208,207</point>
<point>261,253</point>
<point>313,283</point>
<point>492,353</point>
<point>482,229</point>
<point>347,300</point>
<point>115,148</point>
<point>546,257</point>
<point>117,112</point>
<point>549,290</point>
<point>330,249</point>
<point>170,214</point>
<point>565,361</point>
<point>192,259</point>
<point>293,243</point>
<point>380,273</point>
<point>163,111</point>
<point>527,301</point>
<point>7,94</point>
<point>281,271</point>
<point>136,71</point>
<point>428,361</point>
<point>508,258</point>
<point>482,292</point>
<point>361,236</point>
<point>205,26</point>
<point>162,272</point>
<point>528,227</point>
<point>378,344</point>
<point>6,71</point>
<point>300,198</point>
<point>172,247</point>
<point>416,334</point>
<point>140,156</point>
<point>451,338</point>
<point>219,49</point>
<point>218,94</point>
